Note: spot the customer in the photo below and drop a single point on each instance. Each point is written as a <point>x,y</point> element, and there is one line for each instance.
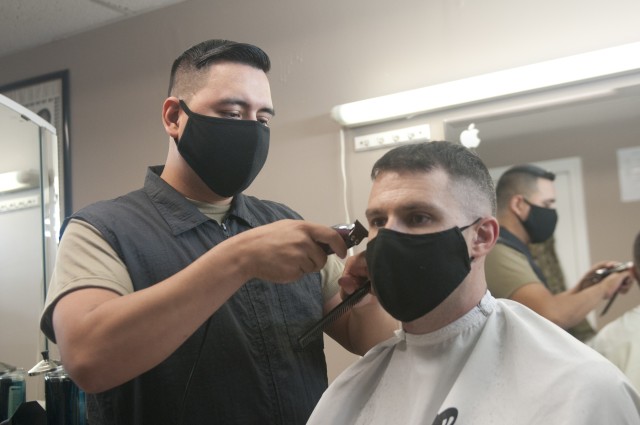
<point>526,196</point>
<point>462,356</point>
<point>619,341</point>
<point>165,302</point>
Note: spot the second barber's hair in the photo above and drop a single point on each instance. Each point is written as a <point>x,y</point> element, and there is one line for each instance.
<point>636,254</point>
<point>520,180</point>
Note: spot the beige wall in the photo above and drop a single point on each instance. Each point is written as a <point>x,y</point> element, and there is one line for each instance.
<point>325,53</point>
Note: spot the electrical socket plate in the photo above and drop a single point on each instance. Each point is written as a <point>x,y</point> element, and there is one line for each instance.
<point>418,133</point>
<point>19,203</point>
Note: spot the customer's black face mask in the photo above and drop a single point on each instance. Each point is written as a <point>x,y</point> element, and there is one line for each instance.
<point>541,223</point>
<point>227,154</point>
<point>413,274</point>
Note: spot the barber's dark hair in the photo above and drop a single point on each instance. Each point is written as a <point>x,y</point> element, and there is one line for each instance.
<point>636,254</point>
<point>187,72</point>
<point>474,190</point>
<point>520,180</point>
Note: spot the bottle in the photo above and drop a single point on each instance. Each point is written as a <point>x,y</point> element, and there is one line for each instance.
<point>12,390</point>
<point>64,401</point>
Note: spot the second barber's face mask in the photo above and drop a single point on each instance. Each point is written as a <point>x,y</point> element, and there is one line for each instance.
<point>227,154</point>
<point>541,223</point>
<point>413,274</point>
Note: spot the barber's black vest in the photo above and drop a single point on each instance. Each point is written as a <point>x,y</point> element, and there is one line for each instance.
<point>251,370</point>
<point>507,238</point>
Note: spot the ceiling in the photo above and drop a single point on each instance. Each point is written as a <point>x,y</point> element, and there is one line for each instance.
<point>25,24</point>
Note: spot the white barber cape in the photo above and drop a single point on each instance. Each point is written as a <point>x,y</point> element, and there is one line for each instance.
<point>501,363</point>
<point>619,341</point>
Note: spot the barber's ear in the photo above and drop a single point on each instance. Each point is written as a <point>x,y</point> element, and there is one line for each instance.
<point>518,206</point>
<point>485,238</point>
<point>171,116</point>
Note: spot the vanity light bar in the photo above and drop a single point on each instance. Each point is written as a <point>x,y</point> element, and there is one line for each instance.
<point>19,203</point>
<point>14,181</point>
<point>557,72</point>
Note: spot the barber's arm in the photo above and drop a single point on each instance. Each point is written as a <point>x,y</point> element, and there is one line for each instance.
<point>570,307</point>
<point>367,323</point>
<point>106,339</point>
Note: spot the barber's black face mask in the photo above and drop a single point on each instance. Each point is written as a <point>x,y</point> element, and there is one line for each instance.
<point>413,274</point>
<point>541,223</point>
<point>227,154</point>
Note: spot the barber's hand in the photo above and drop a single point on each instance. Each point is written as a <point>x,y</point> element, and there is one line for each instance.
<point>285,250</point>
<point>355,275</point>
<point>590,278</point>
<point>626,284</point>
<point>615,282</point>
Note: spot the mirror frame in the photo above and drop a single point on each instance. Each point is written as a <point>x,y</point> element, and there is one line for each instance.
<point>38,94</point>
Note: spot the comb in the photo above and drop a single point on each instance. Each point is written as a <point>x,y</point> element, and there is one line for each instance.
<point>606,307</point>
<point>334,314</point>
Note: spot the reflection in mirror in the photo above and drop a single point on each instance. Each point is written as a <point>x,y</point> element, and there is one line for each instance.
<point>588,130</point>
<point>30,213</point>
<point>596,124</point>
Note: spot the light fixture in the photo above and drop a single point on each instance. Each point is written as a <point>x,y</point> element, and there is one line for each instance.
<point>552,73</point>
<point>15,181</point>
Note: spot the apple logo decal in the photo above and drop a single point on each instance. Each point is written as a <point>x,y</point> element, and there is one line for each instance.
<point>469,137</point>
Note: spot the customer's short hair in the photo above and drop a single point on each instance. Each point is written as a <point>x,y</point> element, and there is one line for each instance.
<point>188,73</point>
<point>473,189</point>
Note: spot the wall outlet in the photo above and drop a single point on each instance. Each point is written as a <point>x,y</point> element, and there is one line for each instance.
<point>19,203</point>
<point>418,133</point>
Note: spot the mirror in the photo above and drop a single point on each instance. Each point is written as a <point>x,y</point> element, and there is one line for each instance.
<point>595,124</point>
<point>31,204</point>
<point>585,128</point>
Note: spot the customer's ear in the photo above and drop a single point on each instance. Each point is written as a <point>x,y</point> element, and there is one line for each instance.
<point>485,237</point>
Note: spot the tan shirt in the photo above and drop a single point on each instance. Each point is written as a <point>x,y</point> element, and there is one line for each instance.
<point>507,270</point>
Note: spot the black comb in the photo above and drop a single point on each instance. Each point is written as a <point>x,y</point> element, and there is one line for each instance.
<point>611,300</point>
<point>334,314</point>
